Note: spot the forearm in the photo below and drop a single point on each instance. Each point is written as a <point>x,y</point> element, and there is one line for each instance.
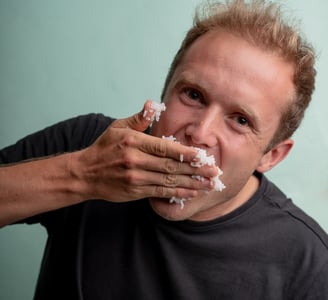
<point>123,164</point>
<point>37,186</point>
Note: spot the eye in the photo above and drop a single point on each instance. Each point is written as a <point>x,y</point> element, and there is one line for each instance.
<point>242,121</point>
<point>192,94</point>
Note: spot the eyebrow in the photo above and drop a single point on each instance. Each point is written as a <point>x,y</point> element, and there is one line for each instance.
<point>188,80</point>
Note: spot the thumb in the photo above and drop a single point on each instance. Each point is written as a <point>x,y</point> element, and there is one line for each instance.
<point>139,121</point>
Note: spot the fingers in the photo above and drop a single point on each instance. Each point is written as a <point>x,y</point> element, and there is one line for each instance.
<point>172,166</point>
<point>153,145</point>
<point>165,148</point>
<point>164,184</point>
<point>137,121</point>
<point>165,192</point>
<point>147,166</point>
<point>132,158</point>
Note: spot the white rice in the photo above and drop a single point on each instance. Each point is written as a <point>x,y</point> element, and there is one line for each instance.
<point>153,114</point>
<point>218,185</point>
<point>180,201</point>
<point>154,111</point>
<point>204,159</point>
<point>170,138</point>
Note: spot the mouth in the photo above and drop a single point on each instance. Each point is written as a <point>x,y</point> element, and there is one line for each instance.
<point>202,159</point>
<point>168,211</point>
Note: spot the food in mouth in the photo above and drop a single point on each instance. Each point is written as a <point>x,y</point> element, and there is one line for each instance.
<point>153,114</point>
<point>203,159</point>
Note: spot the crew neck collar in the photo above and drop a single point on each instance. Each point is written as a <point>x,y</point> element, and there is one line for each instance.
<point>192,225</point>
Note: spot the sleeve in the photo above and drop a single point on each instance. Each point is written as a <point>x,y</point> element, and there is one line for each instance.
<point>319,287</point>
<point>67,136</point>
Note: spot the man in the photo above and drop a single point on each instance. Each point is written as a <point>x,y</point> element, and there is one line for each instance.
<point>237,88</point>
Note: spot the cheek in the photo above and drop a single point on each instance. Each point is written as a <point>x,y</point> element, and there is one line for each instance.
<point>162,127</point>
<point>239,164</point>
<point>171,121</point>
<point>239,152</point>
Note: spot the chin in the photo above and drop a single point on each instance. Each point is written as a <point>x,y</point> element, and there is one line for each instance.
<point>169,211</point>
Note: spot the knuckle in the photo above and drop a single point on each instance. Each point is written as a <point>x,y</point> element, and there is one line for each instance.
<point>128,160</point>
<point>128,141</point>
<point>170,166</point>
<point>130,177</point>
<point>170,180</point>
<point>160,148</point>
<point>160,191</point>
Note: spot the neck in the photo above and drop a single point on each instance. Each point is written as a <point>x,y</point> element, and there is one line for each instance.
<point>227,207</point>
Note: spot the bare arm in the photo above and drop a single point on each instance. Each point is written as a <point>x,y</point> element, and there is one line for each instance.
<point>124,164</point>
<point>33,187</point>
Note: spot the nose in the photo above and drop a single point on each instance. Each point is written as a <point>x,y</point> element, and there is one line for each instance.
<point>203,130</point>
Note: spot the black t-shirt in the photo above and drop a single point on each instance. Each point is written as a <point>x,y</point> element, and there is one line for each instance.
<point>266,249</point>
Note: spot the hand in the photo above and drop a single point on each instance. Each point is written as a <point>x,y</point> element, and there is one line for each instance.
<point>125,164</point>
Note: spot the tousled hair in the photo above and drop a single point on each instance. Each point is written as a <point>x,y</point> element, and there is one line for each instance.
<point>261,24</point>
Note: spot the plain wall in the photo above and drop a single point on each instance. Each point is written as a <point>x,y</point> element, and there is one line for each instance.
<point>63,58</point>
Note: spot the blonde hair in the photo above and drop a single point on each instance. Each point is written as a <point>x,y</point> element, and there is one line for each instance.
<point>261,24</point>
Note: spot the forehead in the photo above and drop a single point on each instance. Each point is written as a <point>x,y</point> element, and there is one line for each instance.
<point>221,58</point>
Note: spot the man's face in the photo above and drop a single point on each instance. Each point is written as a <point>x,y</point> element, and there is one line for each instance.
<point>226,96</point>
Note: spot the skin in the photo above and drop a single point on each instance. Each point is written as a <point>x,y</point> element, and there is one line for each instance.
<point>123,164</point>
<point>227,97</point>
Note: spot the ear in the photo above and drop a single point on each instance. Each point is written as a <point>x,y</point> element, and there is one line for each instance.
<point>275,155</point>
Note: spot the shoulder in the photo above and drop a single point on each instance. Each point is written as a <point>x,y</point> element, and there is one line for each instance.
<point>293,226</point>
<point>80,130</point>
<point>295,239</point>
<point>68,135</point>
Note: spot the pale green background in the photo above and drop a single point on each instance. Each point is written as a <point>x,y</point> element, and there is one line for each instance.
<point>61,58</point>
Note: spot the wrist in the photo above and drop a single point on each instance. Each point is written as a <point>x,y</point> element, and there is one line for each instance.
<point>79,175</point>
